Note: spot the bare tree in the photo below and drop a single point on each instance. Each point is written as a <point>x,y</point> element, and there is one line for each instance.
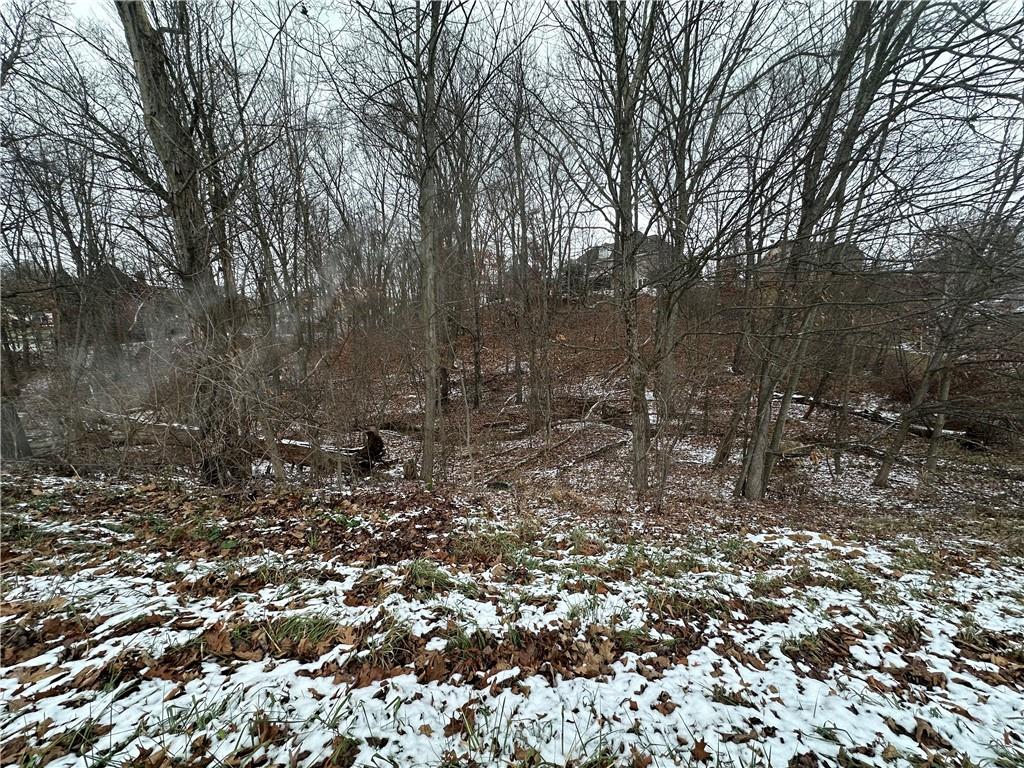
<point>615,48</point>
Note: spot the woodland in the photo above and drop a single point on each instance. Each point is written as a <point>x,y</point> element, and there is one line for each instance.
<point>593,384</point>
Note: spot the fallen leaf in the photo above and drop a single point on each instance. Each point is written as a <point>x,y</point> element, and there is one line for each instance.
<point>664,704</point>
<point>35,674</point>
<point>700,752</point>
<point>928,737</point>
<point>639,759</point>
<point>805,760</point>
<point>217,640</point>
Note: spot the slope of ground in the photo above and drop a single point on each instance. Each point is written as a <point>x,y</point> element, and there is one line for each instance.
<point>156,624</point>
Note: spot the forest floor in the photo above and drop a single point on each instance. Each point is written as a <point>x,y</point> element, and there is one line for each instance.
<point>154,623</point>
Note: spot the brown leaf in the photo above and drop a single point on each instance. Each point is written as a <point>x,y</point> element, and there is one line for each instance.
<point>268,731</point>
<point>877,685</point>
<point>961,711</point>
<point>463,720</point>
<point>805,760</point>
<point>665,705</point>
<point>896,727</point>
<point>174,693</point>
<point>846,760</point>
<point>700,752</point>
<point>740,737</point>
<point>639,759</point>
<point>347,635</point>
<point>13,749</point>
<point>928,737</point>
<point>35,674</point>
<point>217,640</point>
<point>43,727</point>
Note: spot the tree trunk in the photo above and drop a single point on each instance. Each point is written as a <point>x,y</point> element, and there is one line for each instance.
<point>725,445</point>
<point>928,475</point>
<point>843,422</point>
<point>665,342</point>
<point>903,429</point>
<point>796,367</point>
<point>750,483</point>
<point>222,456</point>
<point>429,245</point>
<point>15,443</point>
<point>477,346</point>
<point>271,445</point>
<point>627,94</point>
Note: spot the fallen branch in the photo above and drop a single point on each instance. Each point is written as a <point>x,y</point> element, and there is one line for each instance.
<point>921,430</point>
<point>596,452</point>
<point>520,464</point>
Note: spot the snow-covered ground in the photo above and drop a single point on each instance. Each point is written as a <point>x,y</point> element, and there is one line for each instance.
<point>161,625</point>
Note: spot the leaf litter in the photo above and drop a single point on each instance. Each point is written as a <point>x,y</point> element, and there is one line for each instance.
<point>158,625</point>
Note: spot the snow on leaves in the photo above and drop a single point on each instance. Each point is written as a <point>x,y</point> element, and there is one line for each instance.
<point>157,626</point>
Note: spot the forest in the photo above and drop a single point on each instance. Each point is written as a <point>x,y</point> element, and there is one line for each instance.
<point>457,383</point>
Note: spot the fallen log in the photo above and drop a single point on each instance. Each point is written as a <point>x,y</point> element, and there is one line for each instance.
<point>825,450</point>
<point>531,458</point>
<point>921,430</point>
<point>322,461</point>
<point>403,427</point>
<point>596,452</point>
<point>793,451</point>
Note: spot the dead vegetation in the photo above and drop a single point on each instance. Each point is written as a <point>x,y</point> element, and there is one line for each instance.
<point>377,596</point>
